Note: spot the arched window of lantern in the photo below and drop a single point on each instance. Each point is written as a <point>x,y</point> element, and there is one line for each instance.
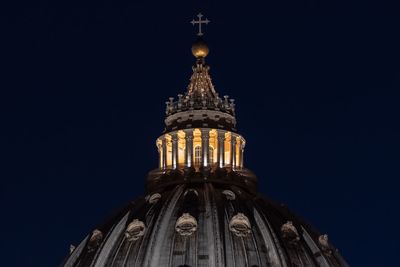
<point>197,143</point>
<point>181,147</point>
<point>168,140</point>
<point>197,155</point>
<point>238,152</point>
<point>214,145</point>
<point>210,155</point>
<point>227,146</point>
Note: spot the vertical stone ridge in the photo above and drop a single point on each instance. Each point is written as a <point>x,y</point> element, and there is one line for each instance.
<point>157,238</point>
<point>110,242</point>
<point>212,227</point>
<point>266,234</point>
<point>149,223</point>
<point>76,253</point>
<point>314,249</point>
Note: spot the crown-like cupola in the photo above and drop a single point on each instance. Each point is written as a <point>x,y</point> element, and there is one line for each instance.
<point>200,127</point>
<point>201,105</point>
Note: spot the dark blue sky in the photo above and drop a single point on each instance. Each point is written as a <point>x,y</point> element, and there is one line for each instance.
<point>82,98</point>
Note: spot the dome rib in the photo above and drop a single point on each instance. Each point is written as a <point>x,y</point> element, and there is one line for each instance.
<point>213,242</point>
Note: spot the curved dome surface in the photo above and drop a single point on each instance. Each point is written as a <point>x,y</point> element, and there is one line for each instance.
<point>202,207</point>
<point>204,224</point>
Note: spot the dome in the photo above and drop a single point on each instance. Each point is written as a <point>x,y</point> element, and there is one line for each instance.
<point>204,224</point>
<point>201,206</point>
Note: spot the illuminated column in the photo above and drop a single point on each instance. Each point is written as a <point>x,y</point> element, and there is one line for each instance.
<point>164,152</point>
<point>174,150</point>
<point>233,151</point>
<point>237,153</point>
<point>242,144</point>
<point>159,148</point>
<point>221,148</point>
<point>189,147</point>
<point>205,143</point>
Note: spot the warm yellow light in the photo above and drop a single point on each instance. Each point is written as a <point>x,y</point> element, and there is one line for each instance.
<point>227,148</point>
<point>181,147</point>
<point>213,146</point>
<point>209,156</point>
<point>168,140</point>
<point>237,147</point>
<point>197,149</point>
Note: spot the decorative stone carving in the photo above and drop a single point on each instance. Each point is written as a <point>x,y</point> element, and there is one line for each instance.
<point>232,105</point>
<point>229,194</point>
<point>240,225</point>
<point>135,230</point>
<point>71,248</point>
<point>95,240</point>
<point>154,198</point>
<point>324,244</point>
<point>180,101</point>
<point>186,225</point>
<point>289,232</point>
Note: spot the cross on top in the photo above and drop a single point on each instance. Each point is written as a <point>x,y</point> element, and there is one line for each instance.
<point>200,21</point>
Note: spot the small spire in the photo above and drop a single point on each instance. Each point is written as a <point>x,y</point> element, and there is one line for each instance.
<point>200,93</point>
<point>200,85</point>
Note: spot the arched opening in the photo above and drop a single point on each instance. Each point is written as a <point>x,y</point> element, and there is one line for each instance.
<point>227,149</point>
<point>197,155</point>
<point>197,145</point>
<point>213,151</point>
<point>210,155</point>
<point>181,148</point>
<point>168,141</point>
<point>238,152</point>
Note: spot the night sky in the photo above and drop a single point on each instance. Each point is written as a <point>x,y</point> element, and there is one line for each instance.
<point>83,91</point>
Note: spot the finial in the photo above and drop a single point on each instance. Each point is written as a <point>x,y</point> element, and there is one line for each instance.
<point>200,22</point>
<point>199,48</point>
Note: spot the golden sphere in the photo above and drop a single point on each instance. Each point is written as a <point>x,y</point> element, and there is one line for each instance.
<point>200,49</point>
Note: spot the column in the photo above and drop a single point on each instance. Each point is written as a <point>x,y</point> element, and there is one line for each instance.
<point>164,152</point>
<point>237,151</point>
<point>174,150</point>
<point>189,147</point>
<point>233,150</point>
<point>221,148</point>
<point>159,148</point>
<point>242,144</point>
<point>205,143</point>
